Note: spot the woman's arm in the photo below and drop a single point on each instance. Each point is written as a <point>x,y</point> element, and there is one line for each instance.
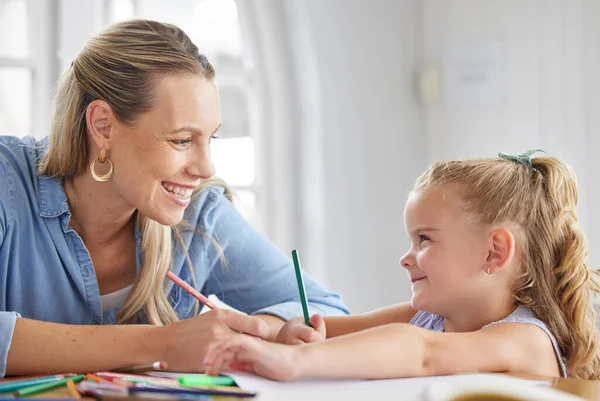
<point>341,325</point>
<point>41,347</point>
<point>392,351</point>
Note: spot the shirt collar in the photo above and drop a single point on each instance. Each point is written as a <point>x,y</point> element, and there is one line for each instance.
<point>52,197</point>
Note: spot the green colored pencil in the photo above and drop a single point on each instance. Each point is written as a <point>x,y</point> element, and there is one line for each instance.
<point>300,281</point>
<point>193,381</point>
<point>47,386</point>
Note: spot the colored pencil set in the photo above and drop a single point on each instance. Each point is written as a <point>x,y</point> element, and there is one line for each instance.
<point>114,386</point>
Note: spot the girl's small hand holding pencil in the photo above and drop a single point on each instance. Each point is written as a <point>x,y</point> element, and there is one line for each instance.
<point>271,360</point>
<point>305,329</point>
<point>296,332</point>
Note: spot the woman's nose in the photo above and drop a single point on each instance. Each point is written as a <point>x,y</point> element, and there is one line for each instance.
<point>202,167</point>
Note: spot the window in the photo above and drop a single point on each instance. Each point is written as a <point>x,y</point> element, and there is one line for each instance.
<point>28,60</point>
<point>16,70</point>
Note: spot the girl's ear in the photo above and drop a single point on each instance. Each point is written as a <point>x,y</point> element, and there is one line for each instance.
<point>501,250</point>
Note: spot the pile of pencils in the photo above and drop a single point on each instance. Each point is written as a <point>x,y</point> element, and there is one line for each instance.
<point>147,381</point>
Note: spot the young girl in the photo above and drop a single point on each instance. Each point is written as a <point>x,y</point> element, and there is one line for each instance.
<point>499,279</point>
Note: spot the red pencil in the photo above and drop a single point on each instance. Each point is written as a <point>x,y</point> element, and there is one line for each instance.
<point>191,290</point>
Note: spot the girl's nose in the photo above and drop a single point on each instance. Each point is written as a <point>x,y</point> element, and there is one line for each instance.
<point>405,261</point>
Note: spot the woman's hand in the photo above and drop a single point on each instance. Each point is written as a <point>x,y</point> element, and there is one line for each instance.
<point>247,354</point>
<point>184,344</point>
<point>295,332</point>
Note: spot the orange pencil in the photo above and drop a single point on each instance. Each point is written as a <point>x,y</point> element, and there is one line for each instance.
<point>73,390</point>
<point>191,290</point>
<point>96,378</point>
<point>122,383</point>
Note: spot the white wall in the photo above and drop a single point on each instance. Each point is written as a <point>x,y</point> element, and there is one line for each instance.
<point>372,142</point>
<point>343,136</point>
<point>551,92</point>
<point>591,76</point>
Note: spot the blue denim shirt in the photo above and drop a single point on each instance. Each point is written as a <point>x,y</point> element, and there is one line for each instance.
<point>46,272</point>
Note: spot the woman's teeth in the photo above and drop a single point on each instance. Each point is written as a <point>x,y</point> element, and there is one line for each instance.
<point>182,193</point>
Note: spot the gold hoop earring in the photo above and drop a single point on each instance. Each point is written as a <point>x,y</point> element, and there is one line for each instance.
<point>101,159</point>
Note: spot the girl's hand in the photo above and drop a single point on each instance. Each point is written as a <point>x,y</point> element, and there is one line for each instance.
<point>243,353</point>
<point>295,332</point>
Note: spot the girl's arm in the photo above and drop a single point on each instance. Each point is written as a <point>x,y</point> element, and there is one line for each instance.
<point>392,351</point>
<point>400,350</point>
<point>295,332</point>
<point>341,325</point>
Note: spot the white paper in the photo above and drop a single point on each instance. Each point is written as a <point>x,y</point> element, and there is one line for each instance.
<point>474,75</point>
<point>171,375</point>
<point>436,388</point>
<point>218,303</point>
<point>396,389</point>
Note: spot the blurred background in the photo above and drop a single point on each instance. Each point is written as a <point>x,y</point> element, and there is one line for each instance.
<point>332,108</point>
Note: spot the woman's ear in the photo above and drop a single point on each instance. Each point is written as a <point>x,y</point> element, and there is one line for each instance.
<point>99,121</point>
<point>501,250</point>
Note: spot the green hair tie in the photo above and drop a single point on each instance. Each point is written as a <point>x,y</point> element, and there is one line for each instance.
<point>522,158</point>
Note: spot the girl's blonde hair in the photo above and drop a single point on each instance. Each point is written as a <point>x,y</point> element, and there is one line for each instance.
<point>120,66</point>
<point>556,282</point>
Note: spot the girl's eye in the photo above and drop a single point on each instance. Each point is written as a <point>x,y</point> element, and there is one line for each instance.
<point>182,143</point>
<point>423,238</point>
<point>213,136</point>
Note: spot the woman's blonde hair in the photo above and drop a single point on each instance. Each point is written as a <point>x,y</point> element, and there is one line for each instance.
<point>120,66</point>
<point>556,282</point>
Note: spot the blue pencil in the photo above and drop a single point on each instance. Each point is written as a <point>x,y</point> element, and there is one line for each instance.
<point>39,388</point>
<point>19,384</point>
<point>40,399</point>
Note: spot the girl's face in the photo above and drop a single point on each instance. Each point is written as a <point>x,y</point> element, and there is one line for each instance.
<point>446,261</point>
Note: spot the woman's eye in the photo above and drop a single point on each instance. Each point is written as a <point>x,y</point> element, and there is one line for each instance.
<point>181,142</point>
<point>213,136</point>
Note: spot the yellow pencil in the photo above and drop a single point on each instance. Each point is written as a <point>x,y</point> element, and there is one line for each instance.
<point>73,390</point>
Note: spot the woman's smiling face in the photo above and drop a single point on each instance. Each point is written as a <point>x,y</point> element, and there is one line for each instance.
<point>166,154</point>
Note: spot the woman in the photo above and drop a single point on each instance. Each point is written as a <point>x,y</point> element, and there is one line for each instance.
<point>93,217</point>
